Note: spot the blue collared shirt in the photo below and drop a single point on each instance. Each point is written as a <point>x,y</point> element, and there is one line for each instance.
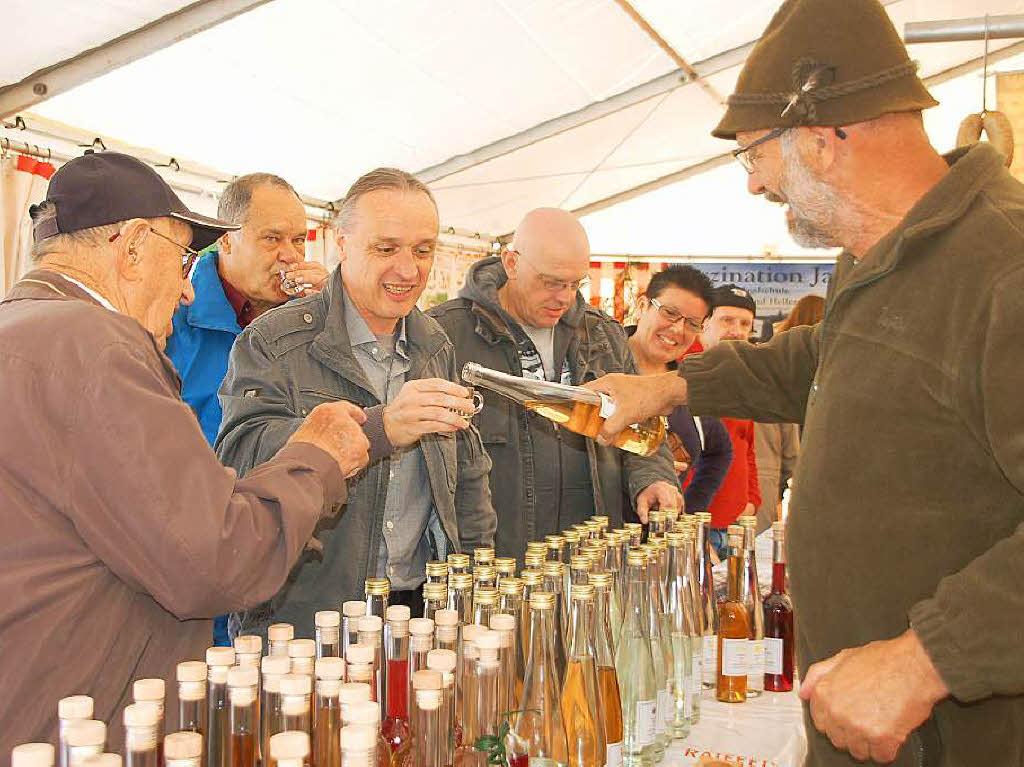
<point>408,509</point>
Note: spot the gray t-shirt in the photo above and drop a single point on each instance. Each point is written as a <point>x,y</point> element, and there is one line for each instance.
<point>544,340</point>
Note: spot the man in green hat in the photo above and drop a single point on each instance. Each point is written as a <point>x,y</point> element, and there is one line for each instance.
<point>906,528</point>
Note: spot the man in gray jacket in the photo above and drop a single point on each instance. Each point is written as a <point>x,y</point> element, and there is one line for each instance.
<point>363,340</point>
<point>522,314</point>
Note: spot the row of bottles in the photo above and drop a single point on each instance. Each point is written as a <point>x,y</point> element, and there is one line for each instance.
<point>595,654</point>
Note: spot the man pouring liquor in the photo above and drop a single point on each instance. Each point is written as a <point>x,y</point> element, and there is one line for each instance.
<point>906,541</point>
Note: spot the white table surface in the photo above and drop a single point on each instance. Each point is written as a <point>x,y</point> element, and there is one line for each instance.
<point>767,731</point>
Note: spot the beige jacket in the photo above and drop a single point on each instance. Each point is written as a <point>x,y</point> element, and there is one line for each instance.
<point>122,533</point>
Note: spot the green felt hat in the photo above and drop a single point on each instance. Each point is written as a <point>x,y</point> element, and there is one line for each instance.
<point>827,63</point>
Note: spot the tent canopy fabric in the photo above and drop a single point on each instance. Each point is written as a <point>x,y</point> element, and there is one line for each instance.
<point>320,91</point>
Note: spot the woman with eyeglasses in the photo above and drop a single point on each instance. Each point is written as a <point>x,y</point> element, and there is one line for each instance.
<point>670,315</point>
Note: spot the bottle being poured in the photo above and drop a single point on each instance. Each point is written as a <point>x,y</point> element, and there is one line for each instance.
<point>572,407</point>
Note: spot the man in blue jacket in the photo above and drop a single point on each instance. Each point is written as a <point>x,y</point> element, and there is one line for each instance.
<point>235,283</point>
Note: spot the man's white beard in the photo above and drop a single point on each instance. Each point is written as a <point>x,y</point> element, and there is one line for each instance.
<point>814,208</point>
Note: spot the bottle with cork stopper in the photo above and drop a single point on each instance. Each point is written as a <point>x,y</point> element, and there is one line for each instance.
<point>74,708</point>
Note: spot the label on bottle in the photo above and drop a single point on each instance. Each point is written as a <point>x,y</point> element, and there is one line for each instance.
<point>645,712</point>
<point>734,656</point>
<point>613,755</point>
<point>607,406</point>
<point>709,659</point>
<point>659,713</point>
<point>688,699</point>
<point>755,667</point>
<point>773,655</point>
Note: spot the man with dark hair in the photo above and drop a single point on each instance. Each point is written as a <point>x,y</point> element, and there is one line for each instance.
<point>682,277</point>
<point>906,524</point>
<point>235,282</point>
<point>363,340</point>
<point>522,313</point>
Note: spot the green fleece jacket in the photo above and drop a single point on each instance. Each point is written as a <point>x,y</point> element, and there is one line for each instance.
<point>909,494</point>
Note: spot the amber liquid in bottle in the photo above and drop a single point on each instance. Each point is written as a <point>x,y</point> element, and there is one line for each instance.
<point>733,629</point>
<point>585,418</point>
<point>609,683</point>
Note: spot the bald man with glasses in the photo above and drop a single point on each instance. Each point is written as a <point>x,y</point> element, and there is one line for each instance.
<point>522,313</point>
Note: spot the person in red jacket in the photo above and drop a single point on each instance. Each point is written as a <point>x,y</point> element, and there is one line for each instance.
<point>732,318</point>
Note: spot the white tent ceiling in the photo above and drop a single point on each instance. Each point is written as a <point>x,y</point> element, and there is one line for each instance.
<point>320,91</point>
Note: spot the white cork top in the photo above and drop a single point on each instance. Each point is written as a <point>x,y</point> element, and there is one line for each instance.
<point>141,715</point>
<point>183,745</point>
<point>357,737</point>
<point>364,712</point>
<point>327,619</point>
<point>330,668</point>
<point>446,618</point>
<point>275,665</point>
<point>398,613</point>
<point>249,644</point>
<point>281,632</point>
<point>191,671</point>
<point>503,622</point>
<point>370,623</point>
<point>243,676</point>
<point>74,707</point>
<point>33,754</point>
<point>149,690</point>
<point>302,648</point>
<point>354,692</point>
<point>220,656</point>
<point>426,680</point>
<point>289,745</point>
<point>87,732</point>
<point>444,661</point>
<point>360,653</point>
<point>421,627</point>
<point>296,684</point>
<point>354,609</point>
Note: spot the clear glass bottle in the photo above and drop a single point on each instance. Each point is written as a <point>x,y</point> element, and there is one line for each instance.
<point>437,572</point>
<point>778,619</point>
<point>278,637</point>
<point>85,738</point>
<point>554,583</point>
<point>460,596</point>
<point>218,661</point>
<point>75,708</point>
<point>572,543</point>
<point>634,664</point>
<point>709,621</point>
<point>734,628</point>
<point>581,699</point>
<point>349,694</point>
<point>607,678</point>
<point>330,672</point>
<point>484,577</point>
<point>33,755</point>
<point>289,749</point>
<point>368,715</point>
<point>328,633</point>
<point>636,533</point>
<point>458,564</point>
<point>751,591</point>
<point>533,580</point>
<point>538,732</point>
<point>302,654</point>
<point>571,407</point>
<point>510,596</point>
<point>481,706</point>
<point>377,592</point>
<point>272,668</point>
<point>428,725</point>
<point>465,675</point>
<point>485,604</point>
<point>483,556</point>
<point>662,660</point>
<point>351,612</point>
<point>395,727</point>
<point>192,708</point>
<point>296,709</point>
<point>679,625</point>
<point>655,524</point>
<point>140,739</point>
<point>359,666</point>
<point>360,747</point>
<point>183,749</point>
<point>435,597</point>
<point>249,652</point>
<point>695,679</point>
<point>243,686</point>
<point>444,663</point>
<point>556,547</point>
<point>505,567</point>
<point>508,659</point>
<point>371,634</point>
